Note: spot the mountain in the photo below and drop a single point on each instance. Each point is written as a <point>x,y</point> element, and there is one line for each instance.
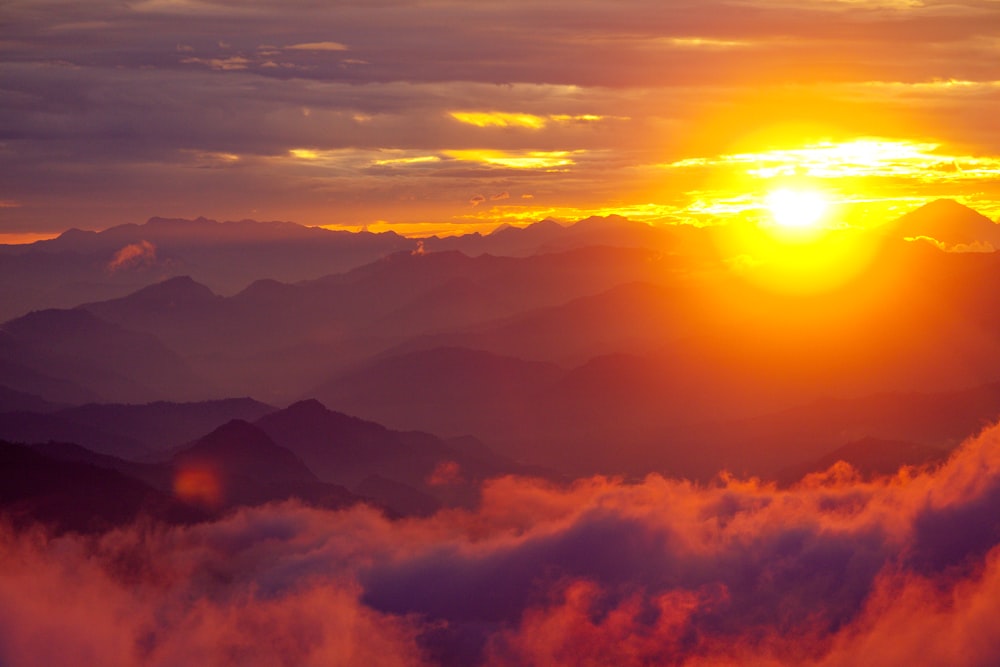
<point>104,359</point>
<point>30,427</point>
<point>950,223</point>
<point>549,236</point>
<point>239,464</point>
<point>159,304</point>
<point>634,316</point>
<point>135,432</point>
<point>366,456</point>
<point>84,266</point>
<point>235,465</point>
<point>275,341</point>
<point>161,425</point>
<point>18,401</point>
<point>451,391</point>
<point>79,496</point>
<point>21,380</point>
<point>940,421</point>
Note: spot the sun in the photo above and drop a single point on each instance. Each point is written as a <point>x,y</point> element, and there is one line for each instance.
<point>797,209</point>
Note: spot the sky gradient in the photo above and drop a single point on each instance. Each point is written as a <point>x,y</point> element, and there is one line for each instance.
<point>447,116</point>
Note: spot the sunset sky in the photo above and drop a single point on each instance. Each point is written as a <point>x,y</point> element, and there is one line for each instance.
<point>446,116</point>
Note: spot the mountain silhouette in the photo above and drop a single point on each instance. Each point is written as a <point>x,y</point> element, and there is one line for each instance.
<point>950,223</point>
<point>450,391</point>
<point>596,359</point>
<point>550,236</point>
<point>275,341</point>
<point>85,266</point>
<point>250,469</point>
<point>79,496</point>
<point>111,361</point>
<point>163,425</point>
<point>364,455</point>
<point>26,381</point>
<point>12,400</point>
<point>31,427</point>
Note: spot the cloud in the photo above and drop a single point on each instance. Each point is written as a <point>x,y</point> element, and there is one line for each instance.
<point>974,246</point>
<point>593,98</point>
<point>318,46</point>
<point>221,64</point>
<point>133,256</point>
<point>125,606</point>
<point>445,473</point>
<point>899,570</point>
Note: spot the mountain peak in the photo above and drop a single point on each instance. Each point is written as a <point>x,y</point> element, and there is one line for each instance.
<point>184,287</point>
<point>236,433</point>
<point>306,408</point>
<point>54,319</point>
<point>241,449</point>
<point>946,205</point>
<point>950,223</point>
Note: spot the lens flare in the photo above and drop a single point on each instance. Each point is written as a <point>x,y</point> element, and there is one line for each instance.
<point>198,485</point>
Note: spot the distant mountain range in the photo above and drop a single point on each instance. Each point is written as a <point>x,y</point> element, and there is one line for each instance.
<point>603,346</point>
<point>314,455</point>
<point>85,266</point>
<point>81,266</point>
<point>305,451</point>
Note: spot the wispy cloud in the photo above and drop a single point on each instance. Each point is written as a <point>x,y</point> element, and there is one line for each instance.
<point>318,46</point>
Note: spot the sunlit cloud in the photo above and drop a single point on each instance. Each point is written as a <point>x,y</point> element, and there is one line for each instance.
<point>213,159</point>
<point>975,246</point>
<point>524,120</point>
<point>913,161</point>
<point>420,159</point>
<point>837,569</point>
<point>515,159</point>
<point>318,46</point>
<point>498,119</point>
<point>222,64</point>
<point>519,215</point>
<point>636,85</point>
<point>131,256</point>
<point>704,43</point>
<point>305,153</point>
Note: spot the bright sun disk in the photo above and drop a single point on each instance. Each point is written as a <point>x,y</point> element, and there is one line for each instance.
<point>796,209</point>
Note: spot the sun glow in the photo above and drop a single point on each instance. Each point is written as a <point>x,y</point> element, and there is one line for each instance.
<point>795,248</point>
<point>797,209</point>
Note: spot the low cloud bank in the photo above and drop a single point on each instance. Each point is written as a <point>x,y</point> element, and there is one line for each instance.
<point>899,570</point>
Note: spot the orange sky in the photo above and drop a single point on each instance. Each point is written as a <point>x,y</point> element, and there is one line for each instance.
<point>453,116</point>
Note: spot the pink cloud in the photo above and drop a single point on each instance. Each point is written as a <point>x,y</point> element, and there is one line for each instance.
<point>132,256</point>
<point>900,570</point>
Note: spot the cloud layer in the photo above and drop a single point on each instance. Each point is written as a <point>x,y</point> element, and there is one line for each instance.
<point>900,570</point>
<point>114,112</point>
